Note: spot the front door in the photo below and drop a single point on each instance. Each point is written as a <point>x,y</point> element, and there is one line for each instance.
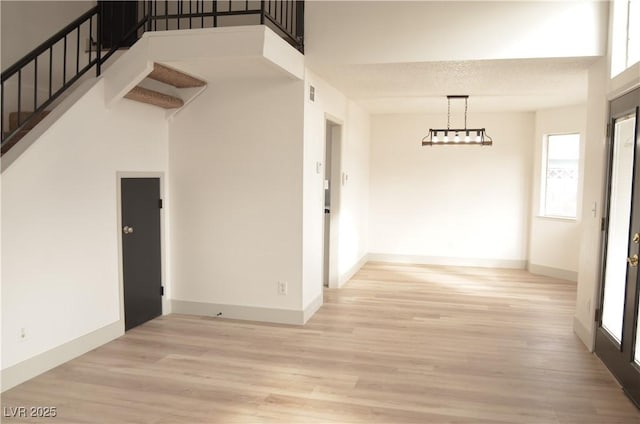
<point>141,252</point>
<point>617,337</point>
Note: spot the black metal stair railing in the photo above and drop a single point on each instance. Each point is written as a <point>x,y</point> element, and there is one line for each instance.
<point>41,77</point>
<point>286,17</point>
<point>55,58</point>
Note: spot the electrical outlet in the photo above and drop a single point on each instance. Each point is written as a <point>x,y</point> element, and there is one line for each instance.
<point>282,288</point>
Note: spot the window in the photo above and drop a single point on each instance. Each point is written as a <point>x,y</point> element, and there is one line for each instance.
<point>559,192</point>
<point>625,44</point>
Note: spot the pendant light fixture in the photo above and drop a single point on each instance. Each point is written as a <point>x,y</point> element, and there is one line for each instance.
<point>457,136</point>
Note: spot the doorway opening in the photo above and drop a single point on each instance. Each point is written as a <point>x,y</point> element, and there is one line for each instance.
<point>332,185</point>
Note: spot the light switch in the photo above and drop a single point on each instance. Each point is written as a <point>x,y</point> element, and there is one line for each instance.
<point>326,184</point>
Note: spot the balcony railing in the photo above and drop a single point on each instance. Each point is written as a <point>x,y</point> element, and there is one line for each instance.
<point>41,77</point>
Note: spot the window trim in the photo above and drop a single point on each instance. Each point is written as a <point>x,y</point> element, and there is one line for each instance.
<point>620,26</point>
<point>542,197</point>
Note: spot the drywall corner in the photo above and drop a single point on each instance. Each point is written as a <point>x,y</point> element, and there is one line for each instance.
<point>586,336</point>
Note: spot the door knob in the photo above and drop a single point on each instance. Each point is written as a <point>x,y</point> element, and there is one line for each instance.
<point>127,229</point>
<point>636,238</point>
<point>633,260</point>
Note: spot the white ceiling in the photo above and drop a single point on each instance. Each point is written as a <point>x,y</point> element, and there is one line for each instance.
<point>406,56</point>
<point>493,85</point>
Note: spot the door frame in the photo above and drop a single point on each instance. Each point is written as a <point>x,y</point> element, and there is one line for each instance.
<point>600,337</point>
<point>166,304</point>
<point>337,148</point>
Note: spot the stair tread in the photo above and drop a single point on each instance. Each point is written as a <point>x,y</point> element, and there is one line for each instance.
<point>6,145</point>
<point>24,115</point>
<point>174,77</point>
<point>153,97</point>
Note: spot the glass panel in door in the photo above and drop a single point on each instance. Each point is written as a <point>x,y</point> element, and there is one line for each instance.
<point>619,222</point>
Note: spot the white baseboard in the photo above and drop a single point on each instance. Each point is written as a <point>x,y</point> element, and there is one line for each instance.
<point>27,369</point>
<point>586,336</point>
<point>247,313</point>
<point>312,308</point>
<point>439,260</point>
<point>547,271</point>
<point>352,271</point>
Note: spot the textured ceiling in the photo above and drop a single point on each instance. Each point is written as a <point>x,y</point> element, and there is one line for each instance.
<point>493,85</point>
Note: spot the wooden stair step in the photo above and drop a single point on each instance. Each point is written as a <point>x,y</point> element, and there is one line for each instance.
<point>144,95</point>
<point>24,115</point>
<point>6,145</point>
<point>174,77</point>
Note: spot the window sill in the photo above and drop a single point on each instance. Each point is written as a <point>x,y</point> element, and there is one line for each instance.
<point>558,218</point>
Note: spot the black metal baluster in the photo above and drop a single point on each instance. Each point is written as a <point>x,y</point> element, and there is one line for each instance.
<point>262,11</point>
<point>214,7</point>
<point>50,68</point>
<point>78,51</point>
<point>286,14</point>
<point>90,36</point>
<point>35,83</point>
<point>190,17</point>
<point>2,109</point>
<point>19,95</point>
<point>149,14</point>
<point>99,41</point>
<point>64,62</point>
<point>179,11</point>
<point>293,17</point>
<point>300,24</point>
<point>246,5</point>
<point>281,5</point>
<point>229,5</point>
<point>202,17</point>
<point>166,15</point>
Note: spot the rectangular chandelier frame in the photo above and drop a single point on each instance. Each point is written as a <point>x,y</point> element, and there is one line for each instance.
<point>457,136</point>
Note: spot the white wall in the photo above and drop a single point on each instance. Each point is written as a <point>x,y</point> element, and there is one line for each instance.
<point>354,206</point>
<point>60,278</point>
<point>236,179</point>
<point>451,204</point>
<point>352,215</point>
<point>554,244</point>
<point>400,32</point>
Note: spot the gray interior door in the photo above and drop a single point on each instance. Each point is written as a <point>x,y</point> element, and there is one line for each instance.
<point>141,251</point>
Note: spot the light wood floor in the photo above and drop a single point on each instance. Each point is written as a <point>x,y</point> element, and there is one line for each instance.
<point>397,344</point>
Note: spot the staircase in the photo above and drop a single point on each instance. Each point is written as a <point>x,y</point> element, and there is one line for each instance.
<point>164,87</point>
<point>167,91</point>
